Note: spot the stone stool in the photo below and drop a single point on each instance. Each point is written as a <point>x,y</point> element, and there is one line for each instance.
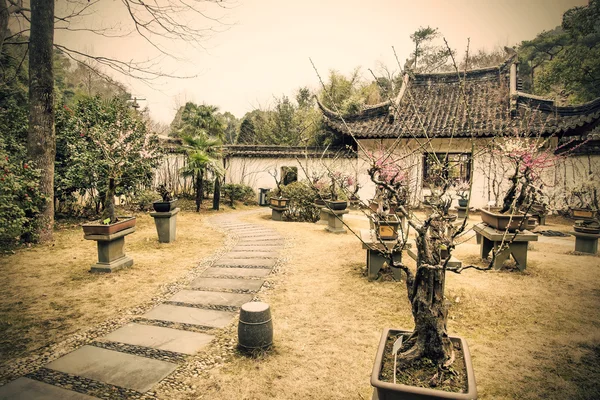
<point>255,329</point>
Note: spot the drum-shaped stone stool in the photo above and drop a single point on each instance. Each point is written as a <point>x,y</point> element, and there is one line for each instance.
<point>255,330</point>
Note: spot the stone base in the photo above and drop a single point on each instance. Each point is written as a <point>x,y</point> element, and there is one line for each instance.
<point>166,225</point>
<point>586,242</point>
<point>461,211</point>
<point>323,216</point>
<point>111,251</point>
<point>112,266</point>
<point>334,220</point>
<point>277,213</point>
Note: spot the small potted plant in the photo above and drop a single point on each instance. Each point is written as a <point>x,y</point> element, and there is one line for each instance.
<point>339,183</point>
<point>168,203</point>
<point>584,201</point>
<point>462,191</point>
<point>276,199</point>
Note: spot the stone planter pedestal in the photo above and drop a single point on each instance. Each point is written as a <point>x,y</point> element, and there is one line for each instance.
<point>586,242</point>
<point>461,212</point>
<point>111,251</point>
<point>323,215</point>
<point>166,225</point>
<point>277,213</point>
<point>334,220</point>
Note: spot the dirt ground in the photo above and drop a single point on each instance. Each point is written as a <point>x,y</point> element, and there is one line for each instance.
<point>532,335</point>
<point>47,292</point>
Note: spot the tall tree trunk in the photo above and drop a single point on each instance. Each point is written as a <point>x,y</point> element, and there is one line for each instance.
<point>4,14</point>
<point>430,314</point>
<point>198,190</point>
<point>217,194</point>
<point>41,141</point>
<point>109,202</point>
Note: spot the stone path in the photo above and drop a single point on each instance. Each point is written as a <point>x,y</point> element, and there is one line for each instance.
<point>128,362</point>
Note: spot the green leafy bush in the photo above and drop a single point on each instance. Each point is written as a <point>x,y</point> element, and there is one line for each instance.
<point>301,204</point>
<point>142,201</point>
<point>20,200</point>
<point>237,192</point>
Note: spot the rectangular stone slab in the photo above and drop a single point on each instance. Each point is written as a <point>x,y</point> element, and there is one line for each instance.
<point>251,254</point>
<point>223,283</point>
<point>241,272</point>
<point>253,242</point>
<point>190,315</point>
<point>211,298</point>
<point>246,262</point>
<point>257,247</point>
<point>108,366</point>
<point>254,234</point>
<point>160,338</point>
<point>30,389</point>
<point>267,237</point>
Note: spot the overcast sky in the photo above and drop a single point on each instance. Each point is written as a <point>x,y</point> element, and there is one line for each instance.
<point>265,50</point>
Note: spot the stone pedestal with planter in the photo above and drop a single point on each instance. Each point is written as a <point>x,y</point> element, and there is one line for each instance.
<point>375,260</point>
<point>277,213</point>
<point>586,242</point>
<point>166,225</point>
<point>111,251</point>
<point>490,239</point>
<point>334,220</point>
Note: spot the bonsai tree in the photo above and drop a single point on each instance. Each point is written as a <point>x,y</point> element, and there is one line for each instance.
<point>119,145</point>
<point>164,193</point>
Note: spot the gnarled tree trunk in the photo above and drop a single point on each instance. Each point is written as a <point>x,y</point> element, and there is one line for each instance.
<point>430,315</point>
<point>41,141</point>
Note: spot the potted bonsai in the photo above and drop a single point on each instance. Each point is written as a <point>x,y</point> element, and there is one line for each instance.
<point>338,183</point>
<point>462,191</point>
<point>119,136</point>
<point>167,203</point>
<point>528,158</point>
<point>276,198</point>
<point>428,347</point>
<point>584,201</point>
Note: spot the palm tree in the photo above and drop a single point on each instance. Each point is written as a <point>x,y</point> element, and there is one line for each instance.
<point>202,131</point>
<point>203,155</point>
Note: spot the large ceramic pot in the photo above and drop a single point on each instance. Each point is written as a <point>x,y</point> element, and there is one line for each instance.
<point>97,228</point>
<point>587,226</point>
<point>279,201</point>
<point>463,202</point>
<point>391,391</point>
<point>502,222</point>
<point>164,206</point>
<point>387,229</point>
<point>582,213</point>
<point>337,205</point>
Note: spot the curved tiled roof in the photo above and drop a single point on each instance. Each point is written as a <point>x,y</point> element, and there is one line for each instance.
<point>431,105</point>
<point>266,151</point>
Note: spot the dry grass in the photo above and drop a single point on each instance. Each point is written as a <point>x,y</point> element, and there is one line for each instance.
<point>48,293</point>
<point>532,335</point>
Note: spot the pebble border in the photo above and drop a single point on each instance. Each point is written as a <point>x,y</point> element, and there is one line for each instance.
<point>87,386</point>
<point>231,265</point>
<point>216,307</point>
<point>175,325</point>
<point>142,351</point>
<point>241,291</point>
